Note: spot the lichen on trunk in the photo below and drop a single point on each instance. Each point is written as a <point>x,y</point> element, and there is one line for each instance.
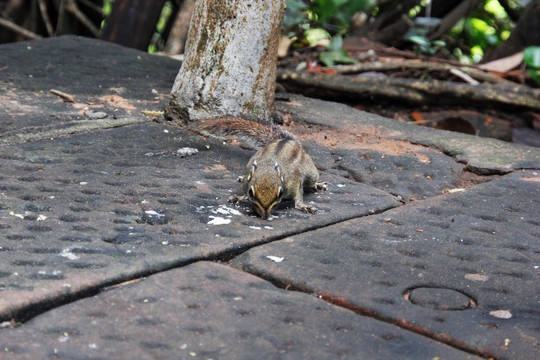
<point>230,60</point>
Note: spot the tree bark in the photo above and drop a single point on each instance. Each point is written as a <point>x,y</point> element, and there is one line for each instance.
<point>411,91</point>
<point>178,35</point>
<point>132,22</point>
<point>230,63</point>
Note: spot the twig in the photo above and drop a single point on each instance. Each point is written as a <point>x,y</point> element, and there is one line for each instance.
<point>63,95</point>
<point>19,29</point>
<point>460,74</point>
<point>45,17</point>
<point>72,7</point>
<point>61,15</point>
<point>92,6</point>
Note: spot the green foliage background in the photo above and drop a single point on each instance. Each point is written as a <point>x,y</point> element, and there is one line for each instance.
<point>306,22</point>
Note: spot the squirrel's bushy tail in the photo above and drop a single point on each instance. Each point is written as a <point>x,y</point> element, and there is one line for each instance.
<point>252,133</point>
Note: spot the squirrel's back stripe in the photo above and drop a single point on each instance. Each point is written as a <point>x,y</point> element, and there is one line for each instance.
<point>280,145</point>
<point>251,132</point>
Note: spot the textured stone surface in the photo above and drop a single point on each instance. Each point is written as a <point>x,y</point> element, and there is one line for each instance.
<point>481,155</point>
<point>210,311</point>
<point>100,76</point>
<point>411,176</point>
<point>88,210</point>
<point>478,247</point>
<point>101,217</point>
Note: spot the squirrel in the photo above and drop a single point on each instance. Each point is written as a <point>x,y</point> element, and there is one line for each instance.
<point>280,170</point>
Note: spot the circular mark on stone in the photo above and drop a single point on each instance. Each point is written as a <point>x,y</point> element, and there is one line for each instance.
<point>439,298</point>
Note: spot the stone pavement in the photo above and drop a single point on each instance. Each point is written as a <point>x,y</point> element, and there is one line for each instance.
<point>116,245</point>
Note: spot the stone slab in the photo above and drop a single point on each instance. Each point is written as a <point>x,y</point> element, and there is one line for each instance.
<point>84,211</point>
<point>461,268</point>
<point>409,175</point>
<point>481,155</point>
<point>210,311</point>
<point>102,77</point>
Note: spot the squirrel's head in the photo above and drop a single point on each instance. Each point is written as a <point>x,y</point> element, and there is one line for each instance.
<point>265,188</point>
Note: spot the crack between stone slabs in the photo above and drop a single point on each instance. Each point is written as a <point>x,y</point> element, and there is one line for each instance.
<point>28,312</point>
<point>359,310</point>
<point>23,135</point>
<point>229,255</point>
<point>480,171</point>
<point>463,179</point>
<point>340,302</point>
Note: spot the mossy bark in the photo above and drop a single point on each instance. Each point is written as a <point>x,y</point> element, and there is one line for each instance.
<point>230,63</point>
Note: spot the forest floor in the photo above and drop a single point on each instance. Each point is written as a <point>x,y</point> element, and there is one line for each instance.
<point>439,108</point>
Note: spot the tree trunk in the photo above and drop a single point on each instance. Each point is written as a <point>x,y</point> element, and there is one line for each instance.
<point>177,37</point>
<point>132,22</point>
<point>230,63</point>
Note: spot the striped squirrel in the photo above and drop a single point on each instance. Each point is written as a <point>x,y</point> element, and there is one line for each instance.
<point>280,170</point>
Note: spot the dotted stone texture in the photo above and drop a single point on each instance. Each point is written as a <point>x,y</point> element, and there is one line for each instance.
<point>84,211</point>
<point>210,311</point>
<point>99,75</point>
<point>461,268</point>
<point>411,176</point>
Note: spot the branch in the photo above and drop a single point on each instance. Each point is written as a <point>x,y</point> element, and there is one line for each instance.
<point>414,64</point>
<point>45,17</point>
<point>61,15</point>
<point>458,13</point>
<point>72,7</point>
<point>19,29</point>
<point>411,90</point>
<point>92,6</point>
<point>512,13</point>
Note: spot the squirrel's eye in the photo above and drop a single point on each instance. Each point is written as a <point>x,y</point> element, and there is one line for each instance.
<point>280,192</point>
<point>251,192</point>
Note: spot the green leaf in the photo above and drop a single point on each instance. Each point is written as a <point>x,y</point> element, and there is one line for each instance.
<point>313,36</point>
<point>534,74</point>
<point>343,57</point>
<point>327,58</point>
<point>531,56</point>
<point>420,40</point>
<point>438,42</point>
<point>330,58</point>
<point>336,43</point>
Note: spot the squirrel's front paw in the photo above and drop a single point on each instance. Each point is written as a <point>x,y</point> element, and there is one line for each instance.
<point>306,208</point>
<point>236,198</point>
